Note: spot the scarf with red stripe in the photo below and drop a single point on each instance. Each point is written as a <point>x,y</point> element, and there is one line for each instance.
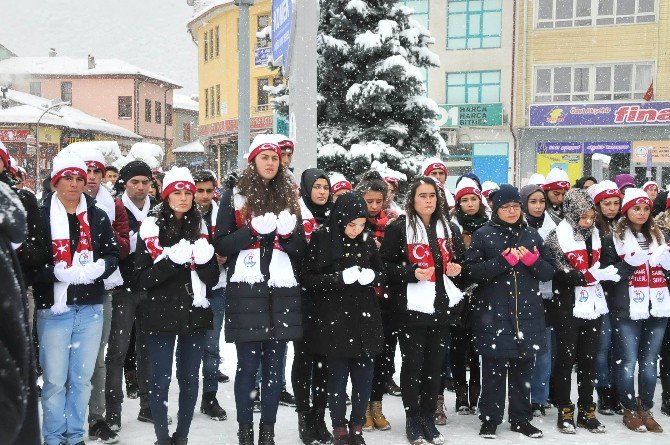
<point>61,246</point>
<point>308,221</point>
<point>222,270</point>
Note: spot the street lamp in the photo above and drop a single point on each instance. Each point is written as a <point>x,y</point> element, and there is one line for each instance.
<point>54,105</point>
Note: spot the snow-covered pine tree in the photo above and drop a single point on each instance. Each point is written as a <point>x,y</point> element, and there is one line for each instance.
<point>372,103</point>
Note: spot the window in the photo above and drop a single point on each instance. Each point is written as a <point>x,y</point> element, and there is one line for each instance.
<point>206,47</point>
<point>36,88</point>
<point>186,132</point>
<point>211,43</point>
<point>168,115</point>
<point>474,24</point>
<point>147,110</point>
<point>262,94</point>
<point>473,87</point>
<point>206,102</point>
<point>421,10</point>
<point>216,41</point>
<point>592,82</point>
<point>572,13</point>
<point>158,112</point>
<point>218,100</point>
<point>66,92</point>
<point>125,107</point>
<point>212,110</point>
<point>263,21</point>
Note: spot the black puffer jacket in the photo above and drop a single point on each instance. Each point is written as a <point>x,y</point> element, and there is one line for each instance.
<point>258,312</point>
<point>400,273</point>
<point>507,311</point>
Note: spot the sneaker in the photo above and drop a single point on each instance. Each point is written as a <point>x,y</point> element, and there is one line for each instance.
<point>440,415</point>
<point>430,430</point>
<point>100,431</point>
<point>605,402</point>
<point>210,407</point>
<point>527,429</point>
<point>633,421</point>
<point>257,400</point>
<point>392,388</point>
<point>414,431</point>
<point>221,377</point>
<point>648,418</point>
<point>488,430</point>
<point>145,416</point>
<point>586,418</point>
<point>462,401</point>
<point>378,416</point>
<point>566,419</point>
<point>286,398</point>
<point>665,407</point>
<point>132,390</point>
<point>538,410</point>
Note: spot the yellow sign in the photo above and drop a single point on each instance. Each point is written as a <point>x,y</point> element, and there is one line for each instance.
<point>572,163</point>
<point>660,152</point>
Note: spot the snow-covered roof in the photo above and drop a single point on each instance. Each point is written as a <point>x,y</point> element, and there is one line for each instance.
<point>183,102</point>
<point>201,13</point>
<point>70,66</point>
<point>192,147</point>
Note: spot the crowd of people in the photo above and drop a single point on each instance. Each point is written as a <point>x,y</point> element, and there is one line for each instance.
<point>492,292</point>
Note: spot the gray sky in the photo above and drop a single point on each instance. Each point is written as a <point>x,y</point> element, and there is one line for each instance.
<point>148,33</point>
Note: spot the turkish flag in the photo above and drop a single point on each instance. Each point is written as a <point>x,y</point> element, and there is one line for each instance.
<point>649,95</point>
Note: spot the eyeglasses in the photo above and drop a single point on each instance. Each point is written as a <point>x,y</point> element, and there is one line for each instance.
<point>510,207</point>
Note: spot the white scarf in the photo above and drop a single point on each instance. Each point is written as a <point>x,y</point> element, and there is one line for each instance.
<point>149,232</point>
<point>222,270</point>
<point>421,295</point>
<point>590,300</point>
<point>647,284</point>
<point>248,264</point>
<point>546,287</point>
<point>308,221</point>
<point>105,202</point>
<point>139,214</point>
<point>60,244</point>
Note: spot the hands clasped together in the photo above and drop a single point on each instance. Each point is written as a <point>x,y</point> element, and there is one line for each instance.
<point>284,223</point>
<point>515,254</point>
<point>78,274</point>
<point>184,251</point>
<point>354,274</point>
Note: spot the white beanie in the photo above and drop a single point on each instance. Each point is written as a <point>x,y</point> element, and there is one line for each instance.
<point>537,179</point>
<point>488,187</point>
<point>339,182</point>
<point>557,179</point>
<point>177,178</point>
<point>634,196</point>
<point>92,157</point>
<point>431,164</point>
<point>67,164</point>
<point>603,190</point>
<point>261,143</point>
<point>467,186</point>
<point>650,184</point>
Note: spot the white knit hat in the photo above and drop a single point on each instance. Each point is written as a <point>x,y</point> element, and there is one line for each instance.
<point>92,157</point>
<point>261,143</point>
<point>177,178</point>
<point>537,179</point>
<point>650,184</point>
<point>634,196</point>
<point>603,190</point>
<point>339,182</point>
<point>431,164</point>
<point>467,186</point>
<point>67,164</point>
<point>557,179</point>
<point>488,187</point>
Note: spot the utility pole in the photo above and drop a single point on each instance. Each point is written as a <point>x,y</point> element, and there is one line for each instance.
<point>244,76</point>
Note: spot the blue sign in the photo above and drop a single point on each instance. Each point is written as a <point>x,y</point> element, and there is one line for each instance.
<point>261,57</point>
<point>608,148</point>
<point>559,147</point>
<point>282,18</point>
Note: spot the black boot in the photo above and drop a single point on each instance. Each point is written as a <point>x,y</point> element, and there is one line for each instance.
<point>245,434</point>
<point>462,402</point>
<point>320,428</point>
<point>605,401</point>
<point>266,435</point>
<point>473,393</point>
<point>586,418</point>
<point>566,419</point>
<point>132,390</point>
<point>179,440</point>
<point>210,406</point>
<point>306,428</point>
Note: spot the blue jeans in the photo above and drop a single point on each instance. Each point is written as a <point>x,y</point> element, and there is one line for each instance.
<point>249,355</point>
<point>637,341</point>
<point>69,345</point>
<point>604,362</point>
<point>211,357</point>
<point>361,370</point>
<point>188,358</point>
<point>539,386</point>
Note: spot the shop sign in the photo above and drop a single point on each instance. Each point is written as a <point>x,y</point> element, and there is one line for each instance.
<point>261,56</point>
<point>604,114</point>
<point>559,147</point>
<point>607,148</point>
<point>75,136</point>
<point>13,135</point>
<point>660,152</point>
<point>470,115</point>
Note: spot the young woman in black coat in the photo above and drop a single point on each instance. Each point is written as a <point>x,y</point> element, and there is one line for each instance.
<point>508,260</point>
<point>341,269</point>
<point>421,253</point>
<point>175,265</point>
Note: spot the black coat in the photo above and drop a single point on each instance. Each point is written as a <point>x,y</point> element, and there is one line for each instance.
<point>507,311</point>
<point>400,273</point>
<point>258,312</point>
<point>19,423</point>
<point>104,246</point>
<point>168,307</point>
<point>345,320</point>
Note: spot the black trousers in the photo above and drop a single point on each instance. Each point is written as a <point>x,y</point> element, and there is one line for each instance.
<point>462,355</point>
<point>497,374</point>
<point>385,362</point>
<point>308,373</point>
<point>339,370</point>
<point>576,342</point>
<point>665,366</point>
<point>423,350</point>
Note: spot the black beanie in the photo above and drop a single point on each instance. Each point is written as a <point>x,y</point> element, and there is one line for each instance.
<point>134,168</point>
<point>505,194</point>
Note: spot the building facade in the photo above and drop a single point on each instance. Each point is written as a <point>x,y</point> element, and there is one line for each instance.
<point>593,78</point>
<point>185,123</point>
<point>214,31</point>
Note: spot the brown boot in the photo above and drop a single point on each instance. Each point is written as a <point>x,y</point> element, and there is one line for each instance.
<point>378,416</point>
<point>648,418</point>
<point>633,421</point>
<point>369,423</point>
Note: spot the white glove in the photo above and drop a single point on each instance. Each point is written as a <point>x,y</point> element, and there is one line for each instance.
<point>664,262</point>
<point>285,223</point>
<point>660,252</point>
<point>70,275</point>
<point>366,276</point>
<point>202,251</point>
<point>264,224</point>
<point>93,271</point>
<point>607,274</point>
<point>133,241</point>
<point>636,259</point>
<point>350,275</point>
<point>181,252</point>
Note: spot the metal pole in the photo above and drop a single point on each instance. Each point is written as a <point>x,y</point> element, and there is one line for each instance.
<point>38,179</point>
<point>244,76</point>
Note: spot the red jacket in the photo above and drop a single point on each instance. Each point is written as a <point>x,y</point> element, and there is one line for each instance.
<point>121,228</point>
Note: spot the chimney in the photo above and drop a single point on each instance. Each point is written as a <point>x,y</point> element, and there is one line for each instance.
<point>91,62</point>
<point>52,52</point>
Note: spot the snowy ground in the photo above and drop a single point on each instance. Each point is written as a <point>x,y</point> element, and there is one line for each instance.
<point>459,429</point>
